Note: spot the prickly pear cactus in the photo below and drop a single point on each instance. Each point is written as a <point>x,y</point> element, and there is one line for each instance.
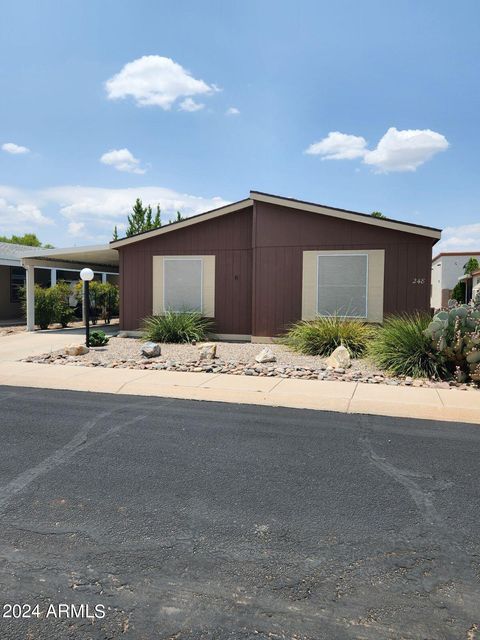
<point>455,333</point>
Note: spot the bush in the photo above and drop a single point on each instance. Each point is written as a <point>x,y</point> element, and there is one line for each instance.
<point>402,348</point>
<point>323,335</point>
<point>103,298</point>
<point>458,292</point>
<point>98,339</point>
<point>62,311</point>
<point>185,326</point>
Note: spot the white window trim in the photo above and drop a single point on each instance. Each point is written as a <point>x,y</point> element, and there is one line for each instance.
<point>342,255</point>
<point>172,258</point>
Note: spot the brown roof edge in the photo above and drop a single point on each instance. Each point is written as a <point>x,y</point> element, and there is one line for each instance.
<point>456,253</point>
<point>357,213</point>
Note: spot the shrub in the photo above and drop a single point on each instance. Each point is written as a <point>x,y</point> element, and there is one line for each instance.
<point>44,305</point>
<point>402,348</point>
<point>185,326</point>
<point>323,335</point>
<point>98,339</point>
<point>458,292</point>
<point>103,298</point>
<point>62,311</point>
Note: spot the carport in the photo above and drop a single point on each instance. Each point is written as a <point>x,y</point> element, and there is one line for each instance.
<point>68,262</point>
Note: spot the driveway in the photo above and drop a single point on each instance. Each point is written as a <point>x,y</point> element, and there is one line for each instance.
<point>190,520</point>
<point>16,346</point>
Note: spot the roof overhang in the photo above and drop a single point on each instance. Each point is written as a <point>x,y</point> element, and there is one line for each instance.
<point>100,256</point>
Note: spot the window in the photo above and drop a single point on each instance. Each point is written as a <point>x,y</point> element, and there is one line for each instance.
<point>17,280</point>
<point>182,284</point>
<point>342,284</point>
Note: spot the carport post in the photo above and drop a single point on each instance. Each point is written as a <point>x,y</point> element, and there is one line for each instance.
<point>30,286</point>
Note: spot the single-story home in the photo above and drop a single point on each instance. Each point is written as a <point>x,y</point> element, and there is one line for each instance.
<point>447,270</point>
<point>257,265</point>
<point>22,266</point>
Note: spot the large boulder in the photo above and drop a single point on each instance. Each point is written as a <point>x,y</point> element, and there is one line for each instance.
<point>151,350</point>
<point>265,355</point>
<point>76,350</point>
<point>207,351</point>
<point>339,358</point>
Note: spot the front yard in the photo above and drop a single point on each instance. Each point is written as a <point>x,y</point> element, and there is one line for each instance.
<point>234,359</point>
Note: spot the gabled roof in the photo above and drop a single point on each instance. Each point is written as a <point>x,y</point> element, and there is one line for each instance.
<point>259,196</point>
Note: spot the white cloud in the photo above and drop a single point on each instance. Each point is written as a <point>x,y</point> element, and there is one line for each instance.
<point>232,111</point>
<point>461,238</point>
<point>190,105</point>
<point>157,81</point>
<point>76,229</point>
<point>396,151</point>
<point>15,149</point>
<point>122,160</point>
<point>405,150</point>
<point>95,209</point>
<point>338,146</point>
<point>19,213</point>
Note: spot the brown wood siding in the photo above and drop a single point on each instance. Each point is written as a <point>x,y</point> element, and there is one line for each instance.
<point>259,256</point>
<point>282,234</point>
<point>228,238</point>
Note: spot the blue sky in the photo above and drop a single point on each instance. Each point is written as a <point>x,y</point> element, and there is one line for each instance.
<point>363,105</point>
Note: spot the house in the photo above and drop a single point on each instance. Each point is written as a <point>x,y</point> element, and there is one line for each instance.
<point>257,265</point>
<point>12,278</point>
<point>472,284</point>
<point>447,269</point>
<point>46,267</point>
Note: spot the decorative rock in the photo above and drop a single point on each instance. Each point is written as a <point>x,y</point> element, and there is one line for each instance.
<point>208,351</point>
<point>151,350</point>
<point>265,355</point>
<point>339,358</point>
<point>76,350</point>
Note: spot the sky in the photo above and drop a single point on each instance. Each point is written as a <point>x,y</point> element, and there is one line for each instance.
<point>368,106</point>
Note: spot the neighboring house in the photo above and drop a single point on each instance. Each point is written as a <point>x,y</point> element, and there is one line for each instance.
<point>447,269</point>
<point>260,264</point>
<point>12,278</point>
<point>475,283</point>
<point>472,284</point>
<point>48,267</point>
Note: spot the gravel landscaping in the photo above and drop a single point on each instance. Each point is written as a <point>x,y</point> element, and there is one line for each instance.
<point>233,359</point>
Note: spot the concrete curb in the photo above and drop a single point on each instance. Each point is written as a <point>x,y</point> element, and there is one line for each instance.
<point>347,397</point>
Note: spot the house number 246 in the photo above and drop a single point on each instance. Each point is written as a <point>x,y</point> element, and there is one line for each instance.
<point>418,281</point>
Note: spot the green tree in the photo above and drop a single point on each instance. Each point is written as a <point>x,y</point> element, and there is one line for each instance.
<point>179,218</point>
<point>141,219</point>
<point>28,239</point>
<point>115,233</point>
<point>377,214</point>
<point>470,266</point>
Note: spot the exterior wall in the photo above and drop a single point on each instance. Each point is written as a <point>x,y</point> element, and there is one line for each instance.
<point>446,270</point>
<point>8,310</point>
<point>259,265</point>
<point>228,238</point>
<point>283,234</point>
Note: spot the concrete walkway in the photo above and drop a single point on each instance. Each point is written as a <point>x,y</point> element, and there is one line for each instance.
<point>347,397</point>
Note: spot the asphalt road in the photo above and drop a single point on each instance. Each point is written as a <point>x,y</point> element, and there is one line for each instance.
<point>191,520</point>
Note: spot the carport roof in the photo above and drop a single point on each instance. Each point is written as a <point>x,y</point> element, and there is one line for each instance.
<point>93,255</point>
